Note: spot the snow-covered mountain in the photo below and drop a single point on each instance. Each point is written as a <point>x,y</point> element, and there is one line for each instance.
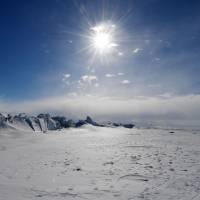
<point>44,122</point>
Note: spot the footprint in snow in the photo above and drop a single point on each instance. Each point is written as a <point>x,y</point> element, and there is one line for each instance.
<point>133,177</point>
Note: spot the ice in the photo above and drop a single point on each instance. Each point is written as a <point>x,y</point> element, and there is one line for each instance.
<point>100,163</point>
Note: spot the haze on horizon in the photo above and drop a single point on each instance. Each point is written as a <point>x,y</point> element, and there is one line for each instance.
<point>132,59</point>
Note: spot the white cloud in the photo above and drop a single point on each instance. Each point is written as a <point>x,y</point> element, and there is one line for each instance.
<point>110,75</point>
<point>173,108</point>
<point>120,74</point>
<point>89,78</point>
<point>137,50</point>
<point>157,59</point>
<point>126,82</point>
<point>114,45</point>
<point>120,53</point>
<point>66,75</point>
<point>65,78</point>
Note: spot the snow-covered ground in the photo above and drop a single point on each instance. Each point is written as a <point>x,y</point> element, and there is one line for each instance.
<point>100,163</point>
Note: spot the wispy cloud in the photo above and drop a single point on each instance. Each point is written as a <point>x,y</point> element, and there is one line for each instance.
<point>120,74</point>
<point>65,79</point>
<point>89,78</point>
<point>120,53</point>
<point>110,75</point>
<point>114,45</point>
<point>137,50</point>
<point>126,82</point>
<point>66,75</point>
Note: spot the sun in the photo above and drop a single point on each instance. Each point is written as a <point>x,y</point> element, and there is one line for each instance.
<point>101,41</point>
<point>102,38</point>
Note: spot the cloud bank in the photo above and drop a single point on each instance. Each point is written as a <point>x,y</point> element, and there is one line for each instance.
<point>106,108</point>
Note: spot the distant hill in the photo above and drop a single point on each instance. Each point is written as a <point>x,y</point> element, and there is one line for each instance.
<point>45,122</point>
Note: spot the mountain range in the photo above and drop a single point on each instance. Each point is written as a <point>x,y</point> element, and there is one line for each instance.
<point>45,122</point>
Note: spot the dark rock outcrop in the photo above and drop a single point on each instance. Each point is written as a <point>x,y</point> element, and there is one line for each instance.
<point>61,121</point>
<point>123,125</point>
<point>48,122</point>
<point>44,122</point>
<point>70,124</point>
<point>128,125</point>
<point>90,121</point>
<point>2,121</point>
<point>80,123</point>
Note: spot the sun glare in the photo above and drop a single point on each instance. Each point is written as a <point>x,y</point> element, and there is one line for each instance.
<point>102,38</point>
<point>102,41</point>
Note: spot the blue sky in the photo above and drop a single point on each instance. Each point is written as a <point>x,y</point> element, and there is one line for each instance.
<point>45,49</point>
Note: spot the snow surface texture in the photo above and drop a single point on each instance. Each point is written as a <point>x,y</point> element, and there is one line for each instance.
<point>100,163</point>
